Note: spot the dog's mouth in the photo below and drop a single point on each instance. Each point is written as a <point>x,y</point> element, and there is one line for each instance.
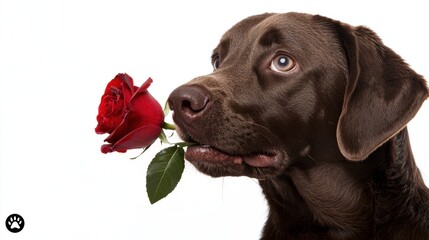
<point>208,154</point>
<point>213,159</point>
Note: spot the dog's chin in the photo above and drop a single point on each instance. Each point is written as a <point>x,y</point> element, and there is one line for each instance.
<point>209,158</point>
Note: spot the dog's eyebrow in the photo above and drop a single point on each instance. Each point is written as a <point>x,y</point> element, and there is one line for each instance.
<point>271,36</point>
<point>222,49</point>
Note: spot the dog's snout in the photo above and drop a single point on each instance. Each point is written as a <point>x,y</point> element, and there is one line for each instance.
<point>189,102</point>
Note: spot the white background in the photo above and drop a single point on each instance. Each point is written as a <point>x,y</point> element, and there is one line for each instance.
<point>56,58</point>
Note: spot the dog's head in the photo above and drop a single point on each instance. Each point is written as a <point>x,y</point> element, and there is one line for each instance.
<point>291,86</point>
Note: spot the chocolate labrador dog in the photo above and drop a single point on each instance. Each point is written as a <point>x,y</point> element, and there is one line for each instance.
<point>316,110</point>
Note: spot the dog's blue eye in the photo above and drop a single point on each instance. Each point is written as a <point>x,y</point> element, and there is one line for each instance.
<point>282,63</point>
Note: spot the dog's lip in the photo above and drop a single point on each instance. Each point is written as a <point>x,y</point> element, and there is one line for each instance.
<point>208,154</point>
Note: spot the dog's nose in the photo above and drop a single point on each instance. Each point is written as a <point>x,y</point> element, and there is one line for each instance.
<point>189,102</point>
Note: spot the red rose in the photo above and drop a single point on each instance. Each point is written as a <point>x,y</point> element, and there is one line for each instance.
<point>131,116</point>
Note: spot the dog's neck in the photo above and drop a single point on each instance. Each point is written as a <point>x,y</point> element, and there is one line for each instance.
<point>401,169</point>
<point>336,207</point>
<point>399,185</point>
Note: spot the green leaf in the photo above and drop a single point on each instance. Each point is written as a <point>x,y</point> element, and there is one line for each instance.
<point>164,172</point>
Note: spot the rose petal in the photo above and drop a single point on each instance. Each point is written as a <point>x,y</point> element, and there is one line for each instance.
<point>144,110</point>
<point>121,79</point>
<point>107,148</point>
<point>145,85</point>
<point>127,80</point>
<point>115,103</point>
<point>139,138</point>
<point>147,108</point>
<point>144,105</point>
<point>141,119</point>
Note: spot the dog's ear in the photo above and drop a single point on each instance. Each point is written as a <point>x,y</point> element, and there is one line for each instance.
<point>382,94</point>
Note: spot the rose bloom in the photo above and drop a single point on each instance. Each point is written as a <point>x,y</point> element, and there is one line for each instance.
<point>130,114</point>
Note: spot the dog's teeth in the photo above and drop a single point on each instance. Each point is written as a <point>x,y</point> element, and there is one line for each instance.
<point>238,160</point>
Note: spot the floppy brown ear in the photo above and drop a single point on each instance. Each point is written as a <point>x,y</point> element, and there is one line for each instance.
<point>382,94</point>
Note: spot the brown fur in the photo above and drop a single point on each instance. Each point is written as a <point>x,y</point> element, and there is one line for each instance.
<point>327,140</point>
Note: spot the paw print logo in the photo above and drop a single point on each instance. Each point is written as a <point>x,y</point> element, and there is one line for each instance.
<point>14,223</point>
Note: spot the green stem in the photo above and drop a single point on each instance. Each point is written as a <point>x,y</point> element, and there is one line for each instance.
<point>168,126</point>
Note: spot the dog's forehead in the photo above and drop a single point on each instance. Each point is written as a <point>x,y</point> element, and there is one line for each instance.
<point>287,21</point>
<point>295,30</point>
<point>301,35</point>
<point>256,26</point>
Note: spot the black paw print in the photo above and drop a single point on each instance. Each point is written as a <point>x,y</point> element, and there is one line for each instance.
<point>14,223</point>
